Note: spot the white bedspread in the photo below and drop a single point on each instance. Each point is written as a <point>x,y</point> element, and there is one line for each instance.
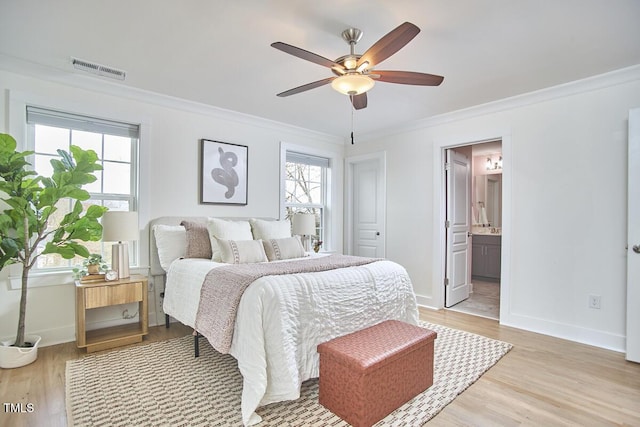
<point>282,319</point>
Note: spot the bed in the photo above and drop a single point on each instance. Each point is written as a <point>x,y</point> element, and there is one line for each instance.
<point>279,319</point>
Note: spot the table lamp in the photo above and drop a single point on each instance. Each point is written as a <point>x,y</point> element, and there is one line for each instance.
<point>121,227</point>
<point>304,224</point>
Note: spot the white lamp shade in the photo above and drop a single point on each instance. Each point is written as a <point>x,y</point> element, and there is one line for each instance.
<point>120,226</point>
<point>304,224</point>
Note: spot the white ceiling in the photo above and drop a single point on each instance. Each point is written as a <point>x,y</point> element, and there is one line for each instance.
<point>218,52</point>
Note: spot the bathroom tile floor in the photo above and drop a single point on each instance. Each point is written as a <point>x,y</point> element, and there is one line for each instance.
<point>483,301</point>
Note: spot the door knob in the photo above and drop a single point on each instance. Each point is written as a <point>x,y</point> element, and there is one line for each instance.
<point>636,248</point>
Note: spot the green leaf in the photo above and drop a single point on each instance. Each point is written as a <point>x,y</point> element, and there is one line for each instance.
<point>66,159</point>
<point>58,166</point>
<point>77,193</point>
<point>95,211</point>
<point>62,249</point>
<point>10,246</point>
<point>49,197</point>
<point>7,144</point>
<point>81,251</point>
<point>58,235</point>
<point>86,229</point>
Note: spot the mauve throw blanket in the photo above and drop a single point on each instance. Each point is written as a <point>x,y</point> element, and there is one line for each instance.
<point>223,287</point>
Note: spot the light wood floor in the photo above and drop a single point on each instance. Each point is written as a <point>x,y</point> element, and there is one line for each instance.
<point>542,381</point>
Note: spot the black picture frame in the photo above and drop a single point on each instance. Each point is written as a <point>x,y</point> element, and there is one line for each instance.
<point>224,173</point>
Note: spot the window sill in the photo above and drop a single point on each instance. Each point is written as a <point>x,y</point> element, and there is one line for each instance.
<point>50,278</point>
<point>40,279</point>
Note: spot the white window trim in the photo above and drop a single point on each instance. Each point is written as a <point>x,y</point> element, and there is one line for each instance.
<point>50,278</point>
<point>333,209</point>
<point>111,127</point>
<point>17,127</point>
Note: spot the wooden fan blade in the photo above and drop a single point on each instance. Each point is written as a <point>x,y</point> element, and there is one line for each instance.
<point>305,54</point>
<point>408,78</point>
<point>389,44</point>
<point>306,87</point>
<point>359,101</point>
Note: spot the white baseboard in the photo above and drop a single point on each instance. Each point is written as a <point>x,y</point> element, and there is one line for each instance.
<point>574,333</point>
<point>427,302</point>
<point>606,340</point>
<point>601,339</point>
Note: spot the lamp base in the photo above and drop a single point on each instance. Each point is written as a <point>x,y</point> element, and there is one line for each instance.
<point>120,259</point>
<point>306,242</point>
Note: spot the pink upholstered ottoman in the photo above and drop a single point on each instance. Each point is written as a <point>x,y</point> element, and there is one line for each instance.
<point>366,375</point>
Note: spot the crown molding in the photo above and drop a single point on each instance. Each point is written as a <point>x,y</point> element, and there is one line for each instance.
<point>73,78</point>
<point>601,81</point>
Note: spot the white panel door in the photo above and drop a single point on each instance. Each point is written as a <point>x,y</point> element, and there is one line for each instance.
<point>368,209</point>
<point>457,273</point>
<point>633,239</point>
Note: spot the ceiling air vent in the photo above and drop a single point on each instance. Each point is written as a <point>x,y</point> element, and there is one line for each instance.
<point>100,70</point>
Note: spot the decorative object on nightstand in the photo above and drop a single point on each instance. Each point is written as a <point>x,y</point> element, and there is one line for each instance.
<point>121,227</point>
<point>110,275</point>
<point>92,268</point>
<point>304,225</point>
<point>317,245</point>
<point>104,294</point>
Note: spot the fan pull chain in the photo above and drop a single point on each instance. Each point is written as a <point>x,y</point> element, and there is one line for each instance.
<point>352,114</point>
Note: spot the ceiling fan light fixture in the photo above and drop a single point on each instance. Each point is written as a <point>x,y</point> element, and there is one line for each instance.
<point>362,66</point>
<point>352,84</point>
<point>350,63</point>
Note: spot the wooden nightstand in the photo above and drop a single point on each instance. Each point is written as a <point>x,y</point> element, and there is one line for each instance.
<point>104,294</point>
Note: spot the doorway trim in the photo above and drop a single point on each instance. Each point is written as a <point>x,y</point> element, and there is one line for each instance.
<point>381,156</point>
<point>439,214</point>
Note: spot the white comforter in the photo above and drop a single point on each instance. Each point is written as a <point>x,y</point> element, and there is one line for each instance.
<point>282,319</point>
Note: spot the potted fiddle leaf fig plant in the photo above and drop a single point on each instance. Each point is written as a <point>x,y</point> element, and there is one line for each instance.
<point>26,227</point>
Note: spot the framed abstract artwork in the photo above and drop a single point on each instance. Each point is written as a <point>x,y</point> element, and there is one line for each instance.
<point>223,173</point>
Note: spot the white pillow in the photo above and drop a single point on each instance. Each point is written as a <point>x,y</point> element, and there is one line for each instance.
<point>228,230</point>
<point>241,251</point>
<point>265,230</point>
<point>171,241</point>
<point>276,249</point>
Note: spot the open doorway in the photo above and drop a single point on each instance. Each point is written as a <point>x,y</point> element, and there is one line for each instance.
<point>479,200</point>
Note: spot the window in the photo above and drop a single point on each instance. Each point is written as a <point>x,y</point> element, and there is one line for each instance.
<point>306,179</point>
<point>117,147</point>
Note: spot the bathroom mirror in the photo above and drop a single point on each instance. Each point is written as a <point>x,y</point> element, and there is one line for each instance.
<point>488,194</point>
<point>493,191</point>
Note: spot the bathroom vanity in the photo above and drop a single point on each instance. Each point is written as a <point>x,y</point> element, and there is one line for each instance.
<point>485,257</point>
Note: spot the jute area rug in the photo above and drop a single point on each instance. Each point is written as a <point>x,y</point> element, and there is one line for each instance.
<point>162,384</point>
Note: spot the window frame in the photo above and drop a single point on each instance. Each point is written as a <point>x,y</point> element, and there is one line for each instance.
<point>331,192</point>
<point>60,275</point>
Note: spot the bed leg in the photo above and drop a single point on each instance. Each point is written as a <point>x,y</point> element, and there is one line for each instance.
<point>196,343</point>
<point>166,321</point>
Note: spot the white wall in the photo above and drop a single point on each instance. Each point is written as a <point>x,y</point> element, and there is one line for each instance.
<point>171,131</point>
<point>567,160</point>
<point>568,197</point>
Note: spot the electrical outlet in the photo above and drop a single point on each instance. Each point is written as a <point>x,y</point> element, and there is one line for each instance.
<point>594,301</point>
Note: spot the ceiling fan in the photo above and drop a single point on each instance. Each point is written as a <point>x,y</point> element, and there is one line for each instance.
<point>355,73</point>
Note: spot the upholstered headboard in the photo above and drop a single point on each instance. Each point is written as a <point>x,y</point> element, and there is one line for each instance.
<point>156,271</point>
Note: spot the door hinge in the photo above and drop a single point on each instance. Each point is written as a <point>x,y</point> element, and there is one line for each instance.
<point>446,281</point>
<point>447,224</point>
<point>447,166</point>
